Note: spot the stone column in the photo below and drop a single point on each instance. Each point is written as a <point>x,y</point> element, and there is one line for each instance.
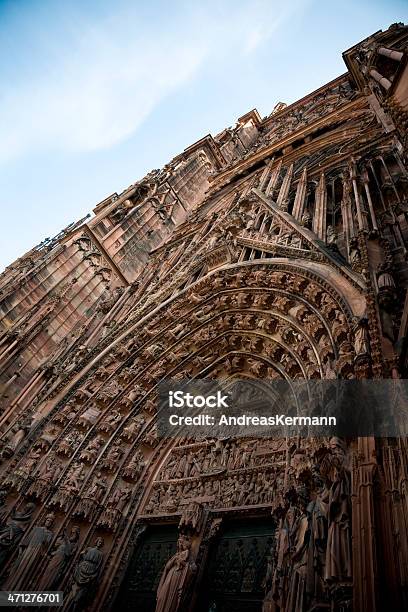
<point>282,200</point>
<point>369,200</point>
<point>383,81</point>
<point>363,528</point>
<point>391,53</point>
<point>319,218</point>
<point>353,174</point>
<point>265,175</point>
<point>300,197</point>
<point>274,179</point>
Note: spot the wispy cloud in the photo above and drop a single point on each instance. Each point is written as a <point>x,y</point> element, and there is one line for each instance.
<point>102,87</point>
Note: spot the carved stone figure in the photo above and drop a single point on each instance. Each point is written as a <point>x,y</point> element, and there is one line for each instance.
<point>177,573</point>
<point>361,339</point>
<point>69,443</point>
<point>110,421</point>
<point>338,552</point>
<point>91,452</point>
<point>32,549</point>
<point>12,532</point>
<point>19,432</point>
<point>114,507</point>
<point>131,431</point>
<point>85,577</point>
<point>134,467</point>
<point>59,560</point>
<point>92,496</point>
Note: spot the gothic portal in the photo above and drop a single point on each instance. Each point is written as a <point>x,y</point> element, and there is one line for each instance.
<point>276,249</point>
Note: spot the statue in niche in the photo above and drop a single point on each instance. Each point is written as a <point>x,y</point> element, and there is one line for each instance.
<point>151,438</point>
<point>361,338</point>
<point>67,413</point>
<point>18,433</point>
<point>75,478</point>
<point>306,219</point>
<point>331,237</point>
<point>70,488</point>
<point>278,590</point>
<point>338,552</point>
<point>114,455</point>
<point>385,279</point>
<point>355,255</point>
<point>110,421</point>
<point>12,532</point>
<point>86,575</point>
<point>92,450</point>
<point>60,558</point>
<point>317,513</point>
<point>69,443</point>
<point>93,496</point>
<point>32,550</point>
<point>134,467</point>
<point>89,416</point>
<point>176,577</point>
<point>299,540</point>
<point>25,469</point>
<point>115,507</point>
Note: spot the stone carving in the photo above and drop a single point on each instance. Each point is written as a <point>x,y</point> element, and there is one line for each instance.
<point>13,530</point>
<point>111,460</point>
<point>32,549</point>
<point>89,417</point>
<point>132,430</point>
<point>85,576</point>
<point>114,507</point>
<point>24,470</point>
<point>134,467</point>
<point>70,487</point>
<point>92,450</point>
<point>19,432</point>
<point>92,496</point>
<point>69,443</point>
<point>175,578</point>
<point>110,421</point>
<point>47,475</point>
<point>361,339</point>
<point>338,555</point>
<point>67,413</point>
<point>59,561</point>
<point>225,278</point>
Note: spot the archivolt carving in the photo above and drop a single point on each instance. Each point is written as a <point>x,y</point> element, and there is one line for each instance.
<point>100,446</point>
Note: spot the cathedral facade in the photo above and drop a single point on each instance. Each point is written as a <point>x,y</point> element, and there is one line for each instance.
<point>276,249</point>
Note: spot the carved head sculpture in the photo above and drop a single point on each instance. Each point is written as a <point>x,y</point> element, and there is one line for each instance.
<point>337,444</point>
<point>74,535</point>
<point>183,543</point>
<point>29,508</point>
<point>317,479</point>
<point>99,542</point>
<point>49,519</point>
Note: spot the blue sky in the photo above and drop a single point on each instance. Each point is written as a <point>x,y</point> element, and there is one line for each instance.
<point>94,94</point>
